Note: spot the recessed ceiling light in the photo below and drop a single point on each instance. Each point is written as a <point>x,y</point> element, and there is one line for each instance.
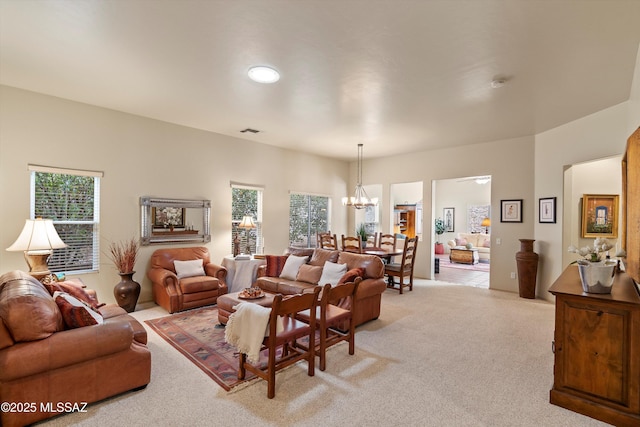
<point>262,74</point>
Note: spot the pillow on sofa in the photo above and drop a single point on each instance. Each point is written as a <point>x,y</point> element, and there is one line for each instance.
<point>461,242</point>
<point>75,312</point>
<point>275,263</point>
<point>75,290</point>
<point>486,243</point>
<point>332,273</point>
<point>309,274</point>
<point>351,275</point>
<point>189,268</point>
<point>291,266</point>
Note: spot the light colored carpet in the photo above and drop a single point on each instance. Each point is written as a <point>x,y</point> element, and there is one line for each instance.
<point>441,355</point>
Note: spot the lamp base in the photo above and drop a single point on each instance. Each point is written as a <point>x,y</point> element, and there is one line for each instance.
<point>37,262</point>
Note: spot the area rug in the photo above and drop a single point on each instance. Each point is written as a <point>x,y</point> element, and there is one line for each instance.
<point>199,337</point>
<point>481,266</point>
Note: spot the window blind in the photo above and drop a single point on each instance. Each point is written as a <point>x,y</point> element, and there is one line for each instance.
<point>308,216</point>
<point>247,200</point>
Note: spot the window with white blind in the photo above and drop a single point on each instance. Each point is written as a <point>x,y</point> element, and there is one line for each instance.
<point>247,200</point>
<point>308,216</point>
<point>71,198</point>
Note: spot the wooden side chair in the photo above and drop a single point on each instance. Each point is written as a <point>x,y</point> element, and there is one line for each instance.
<point>404,268</point>
<point>328,241</point>
<point>293,329</point>
<point>330,318</point>
<point>351,244</point>
<point>387,242</point>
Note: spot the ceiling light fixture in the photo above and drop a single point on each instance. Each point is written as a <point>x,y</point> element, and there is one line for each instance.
<point>361,199</point>
<point>263,74</point>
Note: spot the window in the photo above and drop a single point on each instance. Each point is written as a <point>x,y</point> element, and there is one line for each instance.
<point>247,200</point>
<point>70,198</point>
<point>308,216</point>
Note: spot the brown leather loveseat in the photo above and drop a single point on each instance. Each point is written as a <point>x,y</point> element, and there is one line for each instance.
<point>198,287</point>
<point>48,367</point>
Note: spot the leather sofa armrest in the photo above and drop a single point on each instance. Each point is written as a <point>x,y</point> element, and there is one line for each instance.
<point>216,271</point>
<point>165,278</point>
<point>66,348</point>
<point>262,271</point>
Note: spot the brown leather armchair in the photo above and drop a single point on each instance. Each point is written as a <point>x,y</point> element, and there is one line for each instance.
<point>176,294</point>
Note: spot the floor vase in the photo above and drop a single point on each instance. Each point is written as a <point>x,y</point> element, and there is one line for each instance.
<point>527,264</point>
<point>127,292</point>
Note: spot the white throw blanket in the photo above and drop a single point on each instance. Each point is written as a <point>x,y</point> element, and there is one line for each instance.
<point>247,327</point>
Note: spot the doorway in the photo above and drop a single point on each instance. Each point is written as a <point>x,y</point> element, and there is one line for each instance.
<point>464,206</point>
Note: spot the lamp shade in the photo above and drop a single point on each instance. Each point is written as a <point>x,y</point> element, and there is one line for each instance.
<point>37,235</point>
<point>486,222</point>
<point>247,222</point>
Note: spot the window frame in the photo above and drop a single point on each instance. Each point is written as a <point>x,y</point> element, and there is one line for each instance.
<point>258,246</point>
<point>311,237</point>
<point>95,223</point>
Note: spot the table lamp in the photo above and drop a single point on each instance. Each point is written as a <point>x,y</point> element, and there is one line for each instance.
<point>247,223</point>
<point>38,239</point>
<point>486,223</point>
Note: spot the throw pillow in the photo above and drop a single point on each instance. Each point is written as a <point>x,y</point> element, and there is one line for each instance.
<point>291,266</point>
<point>351,275</point>
<point>309,273</point>
<point>75,290</point>
<point>332,273</point>
<point>189,268</point>
<point>76,313</point>
<point>320,256</point>
<point>275,263</point>
<point>461,242</point>
<point>486,243</point>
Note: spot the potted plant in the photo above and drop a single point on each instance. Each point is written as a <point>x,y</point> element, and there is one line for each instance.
<point>439,229</point>
<point>124,254</point>
<point>361,232</point>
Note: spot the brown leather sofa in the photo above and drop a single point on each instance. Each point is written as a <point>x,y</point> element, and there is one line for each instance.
<point>368,296</point>
<point>46,369</point>
<point>176,294</point>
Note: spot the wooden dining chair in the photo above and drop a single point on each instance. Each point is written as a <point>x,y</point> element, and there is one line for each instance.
<point>405,268</point>
<point>387,242</point>
<point>293,330</point>
<point>327,241</point>
<point>330,318</point>
<point>351,244</point>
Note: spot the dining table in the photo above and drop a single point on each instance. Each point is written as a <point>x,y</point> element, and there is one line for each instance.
<point>385,255</point>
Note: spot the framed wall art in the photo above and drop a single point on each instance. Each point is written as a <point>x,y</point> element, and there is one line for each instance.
<point>547,210</point>
<point>511,210</point>
<point>600,215</point>
<point>449,215</point>
<point>164,217</point>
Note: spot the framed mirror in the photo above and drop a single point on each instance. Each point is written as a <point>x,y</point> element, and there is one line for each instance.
<point>174,220</point>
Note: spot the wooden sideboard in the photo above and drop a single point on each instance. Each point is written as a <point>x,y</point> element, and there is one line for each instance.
<point>597,349</point>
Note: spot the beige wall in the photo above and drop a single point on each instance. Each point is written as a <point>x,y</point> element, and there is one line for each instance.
<point>509,162</point>
<point>142,157</point>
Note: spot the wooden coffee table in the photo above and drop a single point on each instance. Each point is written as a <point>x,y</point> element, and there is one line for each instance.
<point>464,256</point>
<point>226,303</point>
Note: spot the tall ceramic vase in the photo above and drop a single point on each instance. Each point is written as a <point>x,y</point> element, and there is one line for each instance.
<point>527,263</point>
<point>127,292</point>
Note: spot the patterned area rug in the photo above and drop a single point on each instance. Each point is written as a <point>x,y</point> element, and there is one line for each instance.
<point>198,335</point>
<point>481,266</point>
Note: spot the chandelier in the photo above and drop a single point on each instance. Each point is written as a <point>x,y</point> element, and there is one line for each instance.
<point>361,199</point>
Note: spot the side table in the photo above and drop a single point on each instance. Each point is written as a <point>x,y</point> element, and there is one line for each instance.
<point>241,273</point>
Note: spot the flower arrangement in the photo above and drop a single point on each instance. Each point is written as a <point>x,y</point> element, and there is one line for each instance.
<point>593,254</point>
<point>123,254</point>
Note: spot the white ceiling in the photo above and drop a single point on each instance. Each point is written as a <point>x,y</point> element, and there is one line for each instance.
<point>397,75</point>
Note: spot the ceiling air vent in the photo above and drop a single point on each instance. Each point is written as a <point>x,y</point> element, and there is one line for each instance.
<point>249,130</point>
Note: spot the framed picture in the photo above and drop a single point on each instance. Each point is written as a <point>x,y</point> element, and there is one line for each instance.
<point>600,215</point>
<point>511,210</point>
<point>449,215</point>
<point>168,216</point>
<point>547,210</point>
